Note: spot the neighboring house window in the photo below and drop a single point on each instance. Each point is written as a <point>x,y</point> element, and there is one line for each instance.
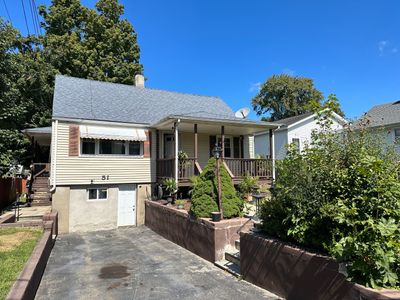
<point>397,135</point>
<point>111,147</point>
<point>88,146</point>
<point>97,194</point>
<point>296,143</point>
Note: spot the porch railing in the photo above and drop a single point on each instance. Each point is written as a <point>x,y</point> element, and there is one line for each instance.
<point>240,167</point>
<point>187,168</point>
<point>165,167</point>
<point>41,170</point>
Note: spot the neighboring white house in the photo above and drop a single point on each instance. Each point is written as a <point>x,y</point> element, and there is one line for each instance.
<point>385,116</point>
<point>297,130</point>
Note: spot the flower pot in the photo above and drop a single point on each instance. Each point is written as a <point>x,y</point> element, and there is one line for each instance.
<point>216,216</point>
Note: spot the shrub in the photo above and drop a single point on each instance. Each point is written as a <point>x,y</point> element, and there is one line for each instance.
<point>205,193</point>
<point>248,184</point>
<point>341,195</point>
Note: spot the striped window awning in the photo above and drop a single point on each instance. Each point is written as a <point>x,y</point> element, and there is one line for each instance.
<point>111,133</point>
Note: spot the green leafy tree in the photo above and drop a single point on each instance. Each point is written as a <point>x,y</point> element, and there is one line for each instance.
<point>283,96</point>
<point>25,93</point>
<point>205,193</point>
<point>91,43</point>
<point>341,195</point>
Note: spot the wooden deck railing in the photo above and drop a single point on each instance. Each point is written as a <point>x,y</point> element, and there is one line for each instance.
<point>188,167</point>
<point>240,167</point>
<point>237,168</point>
<point>165,167</point>
<point>41,170</point>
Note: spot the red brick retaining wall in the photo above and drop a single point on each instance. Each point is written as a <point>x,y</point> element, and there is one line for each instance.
<point>201,236</point>
<point>293,273</point>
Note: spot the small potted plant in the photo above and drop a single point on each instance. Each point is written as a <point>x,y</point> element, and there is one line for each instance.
<point>170,187</point>
<point>180,204</point>
<point>247,186</point>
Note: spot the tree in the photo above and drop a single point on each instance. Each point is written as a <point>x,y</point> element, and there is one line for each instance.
<point>26,82</point>
<point>286,96</point>
<point>91,43</point>
<point>205,193</point>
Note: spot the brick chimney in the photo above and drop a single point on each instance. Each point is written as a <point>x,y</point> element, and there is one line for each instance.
<point>139,80</point>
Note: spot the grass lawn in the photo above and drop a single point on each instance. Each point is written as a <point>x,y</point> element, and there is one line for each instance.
<point>16,246</point>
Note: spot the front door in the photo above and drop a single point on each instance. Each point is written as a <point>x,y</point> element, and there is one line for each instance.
<point>169,145</point>
<point>127,205</point>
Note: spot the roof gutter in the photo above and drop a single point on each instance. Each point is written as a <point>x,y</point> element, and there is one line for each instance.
<point>101,122</point>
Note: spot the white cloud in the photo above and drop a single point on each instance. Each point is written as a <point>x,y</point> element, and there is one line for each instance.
<point>255,87</point>
<point>288,71</point>
<point>385,47</point>
<point>382,46</point>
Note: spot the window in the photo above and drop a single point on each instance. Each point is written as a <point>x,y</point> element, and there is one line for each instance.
<point>112,147</point>
<point>88,146</point>
<point>397,135</point>
<point>296,143</point>
<point>135,148</point>
<point>227,146</point>
<point>97,194</point>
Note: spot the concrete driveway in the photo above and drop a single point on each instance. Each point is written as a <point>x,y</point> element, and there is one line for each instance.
<point>135,263</point>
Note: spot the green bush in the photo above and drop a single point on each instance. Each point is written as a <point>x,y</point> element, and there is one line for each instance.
<point>341,195</point>
<point>205,193</point>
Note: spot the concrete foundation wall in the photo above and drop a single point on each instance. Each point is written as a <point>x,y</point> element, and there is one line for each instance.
<point>78,214</point>
<point>200,236</point>
<point>60,203</point>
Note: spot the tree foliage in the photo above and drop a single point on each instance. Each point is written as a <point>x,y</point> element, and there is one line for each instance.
<point>91,43</point>
<point>205,193</point>
<point>283,96</point>
<point>78,41</point>
<point>26,82</point>
<point>341,195</point>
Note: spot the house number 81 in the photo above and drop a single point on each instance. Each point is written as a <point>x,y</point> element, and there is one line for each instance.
<point>105,177</point>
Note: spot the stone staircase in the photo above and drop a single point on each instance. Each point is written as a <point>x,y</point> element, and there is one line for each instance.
<point>231,261</point>
<point>41,192</point>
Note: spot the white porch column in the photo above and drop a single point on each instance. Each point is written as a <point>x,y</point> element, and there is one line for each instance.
<point>176,133</point>
<point>272,151</point>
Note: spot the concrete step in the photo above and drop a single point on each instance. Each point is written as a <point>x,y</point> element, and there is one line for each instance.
<point>237,245</point>
<point>40,203</point>
<point>229,267</point>
<point>40,189</point>
<point>40,197</point>
<point>233,257</point>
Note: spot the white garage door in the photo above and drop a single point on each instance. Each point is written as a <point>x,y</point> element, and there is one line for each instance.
<point>127,205</point>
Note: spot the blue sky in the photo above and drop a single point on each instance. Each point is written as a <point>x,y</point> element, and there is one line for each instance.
<point>227,48</point>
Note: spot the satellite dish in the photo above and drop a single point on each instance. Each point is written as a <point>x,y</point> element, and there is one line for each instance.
<point>242,113</point>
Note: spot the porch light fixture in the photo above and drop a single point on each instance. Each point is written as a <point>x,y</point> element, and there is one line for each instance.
<point>217,151</point>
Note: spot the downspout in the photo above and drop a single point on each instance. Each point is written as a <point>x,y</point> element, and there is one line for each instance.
<point>53,163</point>
<point>176,151</point>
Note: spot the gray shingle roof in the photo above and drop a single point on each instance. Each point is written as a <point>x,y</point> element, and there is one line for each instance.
<point>291,120</point>
<point>381,115</point>
<point>78,98</point>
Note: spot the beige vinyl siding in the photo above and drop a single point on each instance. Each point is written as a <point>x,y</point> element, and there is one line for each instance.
<point>82,169</point>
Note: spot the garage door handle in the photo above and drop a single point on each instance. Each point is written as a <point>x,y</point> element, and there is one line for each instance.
<point>133,208</point>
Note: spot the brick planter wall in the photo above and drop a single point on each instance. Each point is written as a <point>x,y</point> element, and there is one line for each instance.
<point>201,236</point>
<point>293,273</point>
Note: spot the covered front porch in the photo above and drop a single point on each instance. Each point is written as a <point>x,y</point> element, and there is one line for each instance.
<point>184,145</point>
